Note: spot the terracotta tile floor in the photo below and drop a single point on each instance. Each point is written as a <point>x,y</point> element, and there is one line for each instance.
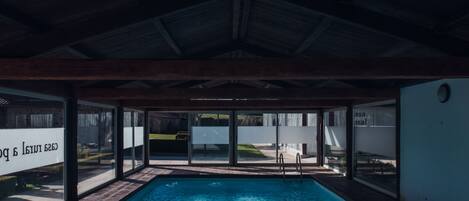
<point>350,190</point>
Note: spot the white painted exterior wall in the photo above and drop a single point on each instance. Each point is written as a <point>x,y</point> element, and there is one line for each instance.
<point>435,142</point>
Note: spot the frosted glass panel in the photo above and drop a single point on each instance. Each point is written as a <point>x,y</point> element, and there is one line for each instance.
<point>138,136</point>
<point>127,137</point>
<point>297,135</point>
<point>210,135</point>
<point>256,134</point>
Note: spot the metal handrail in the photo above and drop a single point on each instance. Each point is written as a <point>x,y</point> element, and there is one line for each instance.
<point>282,164</point>
<point>299,166</point>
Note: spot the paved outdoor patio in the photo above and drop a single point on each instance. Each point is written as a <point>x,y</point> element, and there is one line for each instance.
<point>350,190</point>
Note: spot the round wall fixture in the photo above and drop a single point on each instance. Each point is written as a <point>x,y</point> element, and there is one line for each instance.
<point>444,92</point>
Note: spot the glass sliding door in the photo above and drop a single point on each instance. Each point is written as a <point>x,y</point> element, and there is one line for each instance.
<point>31,146</point>
<point>256,137</point>
<point>139,132</point>
<point>210,137</point>
<point>375,145</point>
<point>133,139</point>
<point>168,138</point>
<point>297,135</point>
<point>335,139</point>
<point>96,154</point>
<point>128,142</point>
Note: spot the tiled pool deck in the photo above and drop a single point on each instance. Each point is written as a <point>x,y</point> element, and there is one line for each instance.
<point>349,189</point>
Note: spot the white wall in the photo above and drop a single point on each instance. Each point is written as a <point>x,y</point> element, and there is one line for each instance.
<point>435,142</point>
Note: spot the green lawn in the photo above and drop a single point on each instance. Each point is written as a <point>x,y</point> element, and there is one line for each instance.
<point>247,150</point>
<point>154,136</point>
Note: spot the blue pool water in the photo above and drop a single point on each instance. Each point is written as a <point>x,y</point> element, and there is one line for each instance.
<point>224,189</point>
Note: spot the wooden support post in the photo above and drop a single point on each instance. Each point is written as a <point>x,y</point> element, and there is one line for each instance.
<point>233,141</point>
<point>398,147</point>
<point>146,143</point>
<point>120,142</point>
<point>304,146</point>
<point>320,138</point>
<point>71,160</point>
<point>349,139</point>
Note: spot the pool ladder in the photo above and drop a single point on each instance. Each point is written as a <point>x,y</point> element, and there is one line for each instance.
<point>298,165</point>
<point>282,165</point>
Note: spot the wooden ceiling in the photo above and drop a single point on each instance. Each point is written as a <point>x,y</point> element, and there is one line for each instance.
<point>240,30</point>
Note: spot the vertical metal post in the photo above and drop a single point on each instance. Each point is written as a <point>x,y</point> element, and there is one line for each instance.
<point>71,160</point>
<point>233,142</point>
<point>120,142</point>
<point>398,146</point>
<point>146,142</point>
<point>349,139</point>
<point>276,137</point>
<point>304,146</point>
<point>320,138</point>
<point>189,140</point>
<point>132,123</point>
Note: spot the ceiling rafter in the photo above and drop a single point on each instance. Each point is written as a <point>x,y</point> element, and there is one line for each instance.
<point>452,22</point>
<point>314,35</point>
<point>236,18</point>
<point>245,12</point>
<point>15,16</point>
<point>167,36</point>
<point>398,49</point>
<point>105,22</point>
<point>387,24</point>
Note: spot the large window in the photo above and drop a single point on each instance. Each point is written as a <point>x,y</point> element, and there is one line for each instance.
<point>31,147</point>
<point>95,144</point>
<point>168,138</point>
<point>210,137</point>
<point>375,145</point>
<point>335,139</point>
<point>133,139</point>
<point>257,137</point>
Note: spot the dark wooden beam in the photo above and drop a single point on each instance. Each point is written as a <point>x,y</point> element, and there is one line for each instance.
<point>167,36</point>
<point>251,104</point>
<point>387,24</point>
<point>235,93</point>
<point>72,33</point>
<point>251,69</point>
